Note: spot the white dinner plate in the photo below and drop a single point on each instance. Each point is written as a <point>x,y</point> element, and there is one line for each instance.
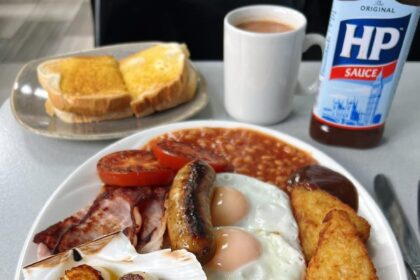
<point>82,186</point>
<point>28,103</point>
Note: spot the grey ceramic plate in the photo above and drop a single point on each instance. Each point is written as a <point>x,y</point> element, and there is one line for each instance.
<point>28,100</point>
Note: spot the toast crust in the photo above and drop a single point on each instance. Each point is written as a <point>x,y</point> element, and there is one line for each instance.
<point>97,104</point>
<point>76,118</point>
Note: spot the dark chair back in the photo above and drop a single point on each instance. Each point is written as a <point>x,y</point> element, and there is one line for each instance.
<point>198,23</point>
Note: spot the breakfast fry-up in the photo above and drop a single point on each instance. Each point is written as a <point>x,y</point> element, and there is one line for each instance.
<point>203,197</point>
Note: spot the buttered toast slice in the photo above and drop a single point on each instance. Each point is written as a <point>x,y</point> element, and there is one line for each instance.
<point>159,78</point>
<point>86,85</point>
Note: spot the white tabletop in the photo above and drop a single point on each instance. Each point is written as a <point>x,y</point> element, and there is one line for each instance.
<point>32,166</point>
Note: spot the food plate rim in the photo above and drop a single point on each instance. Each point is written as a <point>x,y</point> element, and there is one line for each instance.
<point>201,88</point>
<point>320,156</point>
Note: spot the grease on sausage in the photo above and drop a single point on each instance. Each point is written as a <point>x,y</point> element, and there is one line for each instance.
<point>188,206</point>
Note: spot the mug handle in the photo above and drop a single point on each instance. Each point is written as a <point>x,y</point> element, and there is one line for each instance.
<point>310,40</point>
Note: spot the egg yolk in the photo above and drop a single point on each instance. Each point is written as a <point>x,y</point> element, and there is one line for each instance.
<point>228,207</point>
<point>234,248</point>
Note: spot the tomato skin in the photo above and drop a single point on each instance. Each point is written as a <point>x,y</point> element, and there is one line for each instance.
<point>175,155</point>
<point>133,168</point>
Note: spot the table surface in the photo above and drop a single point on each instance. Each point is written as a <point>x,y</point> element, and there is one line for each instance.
<point>32,166</point>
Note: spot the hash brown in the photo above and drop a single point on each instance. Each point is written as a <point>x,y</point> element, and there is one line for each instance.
<point>340,254</point>
<point>310,205</point>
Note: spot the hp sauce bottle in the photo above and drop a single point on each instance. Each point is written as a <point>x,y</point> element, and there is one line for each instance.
<point>366,48</point>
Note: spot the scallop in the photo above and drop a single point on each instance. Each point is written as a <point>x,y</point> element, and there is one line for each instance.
<point>114,257</point>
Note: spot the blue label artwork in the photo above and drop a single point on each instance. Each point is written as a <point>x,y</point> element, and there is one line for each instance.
<point>348,111</point>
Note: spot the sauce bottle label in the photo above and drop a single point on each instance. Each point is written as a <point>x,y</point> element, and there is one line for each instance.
<point>367,45</point>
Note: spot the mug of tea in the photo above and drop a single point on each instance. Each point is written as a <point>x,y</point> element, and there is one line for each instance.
<point>263,46</point>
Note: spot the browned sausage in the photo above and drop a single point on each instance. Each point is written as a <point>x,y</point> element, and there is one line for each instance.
<point>188,206</point>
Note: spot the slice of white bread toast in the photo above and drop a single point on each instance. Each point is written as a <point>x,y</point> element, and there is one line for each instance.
<point>340,253</point>
<point>69,117</point>
<point>159,78</point>
<point>310,206</point>
<point>94,88</point>
<point>88,85</point>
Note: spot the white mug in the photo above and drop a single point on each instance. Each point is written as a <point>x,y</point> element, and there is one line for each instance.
<point>261,69</point>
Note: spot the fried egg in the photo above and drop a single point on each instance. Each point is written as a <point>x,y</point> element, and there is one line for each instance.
<point>254,254</point>
<point>255,230</point>
<point>249,203</point>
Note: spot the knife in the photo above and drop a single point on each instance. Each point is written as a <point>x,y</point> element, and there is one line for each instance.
<point>418,205</point>
<point>404,233</point>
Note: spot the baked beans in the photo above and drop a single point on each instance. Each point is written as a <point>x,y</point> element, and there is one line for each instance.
<point>251,152</point>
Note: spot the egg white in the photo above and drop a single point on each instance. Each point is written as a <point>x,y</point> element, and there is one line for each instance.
<point>269,207</point>
<point>270,220</point>
<point>279,260</point>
